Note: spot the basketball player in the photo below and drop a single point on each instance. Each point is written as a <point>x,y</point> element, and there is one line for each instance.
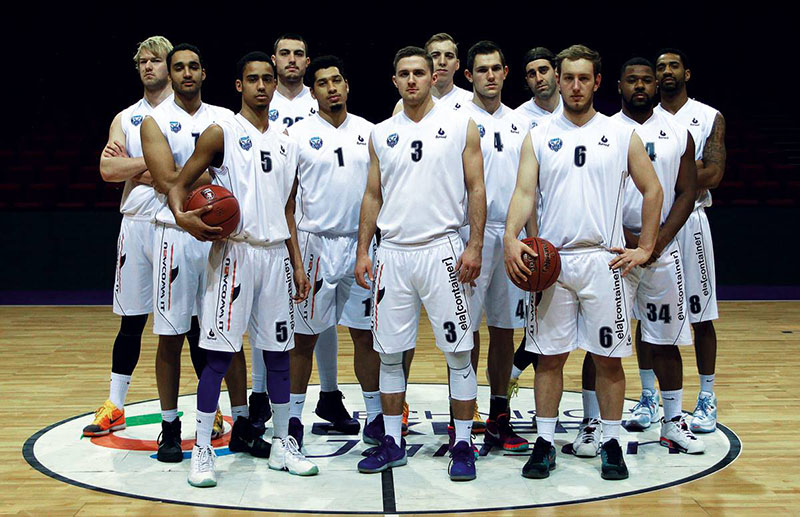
<point>257,163</point>
<point>577,163</point>
<point>168,138</point>
<point>332,174</point>
<point>502,132</point>
<point>708,130</point>
<point>122,160</point>
<point>425,163</point>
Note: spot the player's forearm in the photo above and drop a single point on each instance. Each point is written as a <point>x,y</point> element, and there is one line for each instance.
<point>176,196</point>
<point>519,213</point>
<point>710,176</point>
<point>292,244</point>
<point>114,169</point>
<point>714,156</point>
<point>681,209</point>
<point>651,213</point>
<point>367,224</point>
<point>204,179</point>
<point>476,211</point>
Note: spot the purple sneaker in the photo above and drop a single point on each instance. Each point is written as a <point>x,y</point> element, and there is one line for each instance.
<point>374,431</point>
<point>462,464</point>
<point>385,456</point>
<point>296,430</point>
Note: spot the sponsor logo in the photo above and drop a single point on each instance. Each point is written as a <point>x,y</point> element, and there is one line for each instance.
<point>273,115</point>
<point>211,334</point>
<point>441,133</point>
<point>620,318</point>
<point>695,122</point>
<point>287,271</point>
<point>603,141</point>
<point>514,129</point>
<point>136,120</point>
<point>312,111</point>
<point>222,305</point>
<point>207,193</point>
<point>662,135</point>
<point>481,130</point>
<point>167,275</point>
<point>676,258</point>
<point>392,140</point>
<point>283,150</point>
<point>555,144</point>
<point>361,140</point>
<point>458,296</point>
<point>175,126</point>
<point>315,142</point>
<point>700,252</point>
<point>457,106</point>
<point>245,143</point>
<point>533,124</point>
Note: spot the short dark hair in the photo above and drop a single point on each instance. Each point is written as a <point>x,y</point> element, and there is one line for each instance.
<point>321,62</point>
<point>576,52</point>
<point>538,53</point>
<point>292,36</point>
<point>636,61</point>
<point>677,52</point>
<point>184,46</point>
<point>412,51</point>
<point>250,57</point>
<point>482,48</point>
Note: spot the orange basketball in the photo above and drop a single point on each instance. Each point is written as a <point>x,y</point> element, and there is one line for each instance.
<point>225,212</point>
<point>544,269</point>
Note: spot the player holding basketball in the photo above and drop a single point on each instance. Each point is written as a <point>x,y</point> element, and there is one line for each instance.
<point>502,132</point>
<point>425,164</point>
<point>332,174</point>
<point>707,127</point>
<point>257,163</point>
<point>121,160</point>
<point>577,163</point>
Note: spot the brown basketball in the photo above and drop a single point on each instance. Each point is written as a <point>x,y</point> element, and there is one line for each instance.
<point>544,269</point>
<point>225,212</point>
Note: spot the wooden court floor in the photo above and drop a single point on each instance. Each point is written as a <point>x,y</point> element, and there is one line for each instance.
<point>55,364</point>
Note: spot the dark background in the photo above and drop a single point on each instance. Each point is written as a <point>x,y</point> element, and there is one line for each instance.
<point>69,71</point>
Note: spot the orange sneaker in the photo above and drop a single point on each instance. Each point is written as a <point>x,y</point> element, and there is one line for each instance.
<point>107,418</point>
<point>405,419</point>
<point>478,425</point>
<point>219,426</point>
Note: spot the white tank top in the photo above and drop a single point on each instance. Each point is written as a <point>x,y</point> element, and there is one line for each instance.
<point>665,143</point>
<point>502,134</point>
<point>259,169</point>
<point>137,199</point>
<point>535,114</point>
<point>422,175</point>
<point>285,112</point>
<point>582,174</point>
<point>182,131</point>
<point>333,164</point>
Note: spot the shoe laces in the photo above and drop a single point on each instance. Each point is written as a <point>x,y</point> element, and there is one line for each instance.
<point>513,389</point>
<point>205,459</point>
<point>613,452</point>
<point>703,404</point>
<point>684,429</point>
<point>291,447</point>
<point>587,433</point>
<point>104,410</point>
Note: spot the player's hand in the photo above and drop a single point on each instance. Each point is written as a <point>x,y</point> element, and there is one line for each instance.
<point>469,265</point>
<point>192,222</point>
<point>115,150</point>
<point>628,259</point>
<point>516,269</point>
<point>301,286</point>
<point>145,178</point>
<point>363,267</point>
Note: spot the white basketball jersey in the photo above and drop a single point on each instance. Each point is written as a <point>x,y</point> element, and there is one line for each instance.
<point>582,174</point>
<point>333,164</point>
<point>182,131</point>
<point>699,119</point>
<point>422,175</point>
<point>502,134</point>
<point>665,142</point>
<point>536,114</point>
<point>285,112</point>
<point>137,199</point>
<point>259,169</point>
<point>455,99</point>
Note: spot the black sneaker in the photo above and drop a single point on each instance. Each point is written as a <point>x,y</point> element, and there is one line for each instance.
<point>169,442</point>
<point>613,463</point>
<point>296,430</point>
<point>260,411</point>
<point>542,460</point>
<point>331,408</point>
<point>246,438</point>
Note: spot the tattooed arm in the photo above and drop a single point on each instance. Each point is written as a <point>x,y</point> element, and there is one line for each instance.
<point>712,167</point>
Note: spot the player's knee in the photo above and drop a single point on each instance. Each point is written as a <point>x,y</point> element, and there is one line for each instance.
<point>551,362</point>
<point>218,362</point>
<point>133,325</point>
<point>276,362</point>
<point>392,373</point>
<point>463,382</point>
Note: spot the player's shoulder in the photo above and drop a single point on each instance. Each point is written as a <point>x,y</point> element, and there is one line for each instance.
<point>703,108</point>
<point>303,126</point>
<point>359,124</point>
<point>219,113</point>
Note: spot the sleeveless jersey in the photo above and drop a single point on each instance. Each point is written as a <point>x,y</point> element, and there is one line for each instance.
<point>285,112</point>
<point>582,174</point>
<point>182,131</point>
<point>259,169</point>
<point>137,199</point>
<point>422,175</point>
<point>333,164</point>
<point>455,99</point>
<point>535,114</point>
<point>665,143</point>
<point>502,134</point>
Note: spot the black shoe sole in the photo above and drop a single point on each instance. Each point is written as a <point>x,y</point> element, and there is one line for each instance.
<point>537,474</point>
<point>614,476</point>
<point>169,457</point>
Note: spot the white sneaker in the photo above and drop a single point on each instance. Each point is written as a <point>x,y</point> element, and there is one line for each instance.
<point>644,412</point>
<point>201,472</point>
<point>285,455</point>
<point>704,419</point>
<point>587,443</point>
<point>676,434</point>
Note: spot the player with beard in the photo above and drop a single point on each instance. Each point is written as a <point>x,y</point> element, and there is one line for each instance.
<point>540,75</point>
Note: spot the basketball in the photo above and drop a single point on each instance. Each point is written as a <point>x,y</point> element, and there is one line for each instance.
<point>225,212</point>
<point>544,269</point>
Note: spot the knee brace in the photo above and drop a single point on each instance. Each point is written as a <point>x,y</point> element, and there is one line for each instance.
<point>392,374</point>
<point>463,382</point>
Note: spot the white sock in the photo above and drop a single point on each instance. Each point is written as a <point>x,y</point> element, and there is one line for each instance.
<point>326,350</point>
<point>546,428</point>
<point>280,420</point>
<point>118,389</point>
<point>393,426</point>
<point>706,383</point>
<point>259,370</point>
<point>372,399</point>
<point>237,411</point>
<point>296,403</point>
<point>205,424</point>
<point>515,372</point>
<point>591,408</point>
<point>648,378</point>
<point>463,430</point>
<point>673,401</point>
<point>169,415</point>
<point>610,429</point>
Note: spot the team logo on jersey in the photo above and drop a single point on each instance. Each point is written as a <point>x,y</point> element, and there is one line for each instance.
<point>695,122</point>
<point>361,140</point>
<point>663,135</point>
<point>533,124</point>
<point>441,133</point>
<point>481,130</point>
<point>555,144</point>
<point>273,115</point>
<point>514,129</point>
<point>175,126</point>
<point>245,143</point>
<point>603,141</point>
<point>392,140</point>
<point>136,120</point>
<point>315,142</point>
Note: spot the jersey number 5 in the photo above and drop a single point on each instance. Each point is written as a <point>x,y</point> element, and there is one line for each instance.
<point>266,161</point>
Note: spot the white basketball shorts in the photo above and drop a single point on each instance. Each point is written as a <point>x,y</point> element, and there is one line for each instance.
<point>133,278</point>
<point>697,252</point>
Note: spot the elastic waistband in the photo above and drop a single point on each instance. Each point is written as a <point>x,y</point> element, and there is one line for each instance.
<point>582,250</point>
<point>257,245</point>
<point>138,217</point>
<point>448,238</point>
<point>332,235</point>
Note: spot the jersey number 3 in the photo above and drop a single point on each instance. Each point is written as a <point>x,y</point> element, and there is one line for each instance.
<point>417,154</point>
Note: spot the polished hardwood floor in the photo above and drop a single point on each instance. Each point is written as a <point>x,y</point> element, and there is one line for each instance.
<point>55,364</point>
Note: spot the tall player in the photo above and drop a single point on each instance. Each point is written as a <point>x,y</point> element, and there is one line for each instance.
<point>502,132</point>
<point>332,174</point>
<point>122,160</point>
<point>257,163</point>
<point>577,163</point>
<point>170,132</point>
<point>708,130</point>
<point>425,164</point>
